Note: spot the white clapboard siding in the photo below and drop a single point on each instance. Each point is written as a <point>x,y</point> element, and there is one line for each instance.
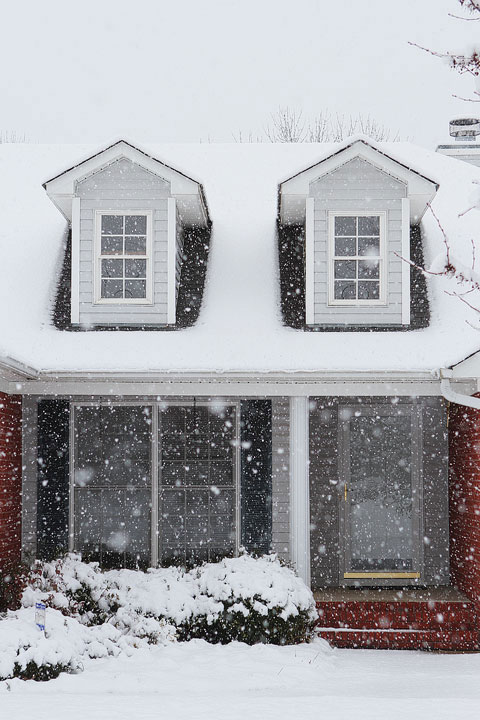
<point>358,186</point>
<point>123,186</point>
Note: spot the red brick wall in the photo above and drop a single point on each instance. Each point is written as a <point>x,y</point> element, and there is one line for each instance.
<point>10,477</point>
<point>464,435</point>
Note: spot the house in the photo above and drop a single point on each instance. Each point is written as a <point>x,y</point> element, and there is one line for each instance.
<point>211,347</point>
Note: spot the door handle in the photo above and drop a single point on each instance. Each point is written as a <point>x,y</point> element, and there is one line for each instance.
<point>345,492</point>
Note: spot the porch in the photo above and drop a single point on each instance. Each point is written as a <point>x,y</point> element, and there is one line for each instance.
<point>436,618</point>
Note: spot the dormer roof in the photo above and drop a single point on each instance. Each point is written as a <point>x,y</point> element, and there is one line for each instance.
<point>293,191</point>
<point>191,201</point>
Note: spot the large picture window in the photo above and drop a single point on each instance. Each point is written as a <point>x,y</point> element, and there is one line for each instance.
<point>124,258</point>
<point>154,483</point>
<point>357,246</point>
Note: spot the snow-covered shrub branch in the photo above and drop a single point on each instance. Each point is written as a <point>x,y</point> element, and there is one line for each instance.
<point>91,613</point>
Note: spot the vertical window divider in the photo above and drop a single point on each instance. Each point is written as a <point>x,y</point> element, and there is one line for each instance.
<point>237,471</point>
<point>71,484</point>
<point>155,462</point>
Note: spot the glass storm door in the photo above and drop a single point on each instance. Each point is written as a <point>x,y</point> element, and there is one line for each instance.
<point>380,493</point>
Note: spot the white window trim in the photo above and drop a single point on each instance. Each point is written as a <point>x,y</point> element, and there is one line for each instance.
<point>310,261</point>
<point>299,487</point>
<point>98,300</point>
<point>171,260</point>
<point>382,300</point>
<point>405,261</point>
<point>75,274</point>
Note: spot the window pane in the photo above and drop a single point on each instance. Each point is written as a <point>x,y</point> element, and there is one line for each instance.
<point>173,474</point>
<point>112,245</point>
<point>112,289</point>
<point>368,269</point>
<point>112,451</point>
<point>345,225</point>
<point>135,246</point>
<point>221,473</point>
<point>134,268</point>
<point>345,246</point>
<point>369,246</point>
<point>345,269</point>
<point>197,447</point>
<point>112,224</point>
<point>368,290</point>
<point>112,268</point>
<point>196,473</point>
<point>201,526</point>
<point>135,224</point>
<point>135,288</point>
<point>369,225</point>
<point>344,290</point>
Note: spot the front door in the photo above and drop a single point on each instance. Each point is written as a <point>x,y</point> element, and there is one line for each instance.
<point>379,470</point>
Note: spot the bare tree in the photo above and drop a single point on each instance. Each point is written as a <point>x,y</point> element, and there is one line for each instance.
<point>468,62</point>
<point>12,136</point>
<point>465,278</point>
<point>289,125</point>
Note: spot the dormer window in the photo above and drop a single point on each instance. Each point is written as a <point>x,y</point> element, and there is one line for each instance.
<point>357,248</point>
<point>358,211</point>
<point>124,258</point>
<point>129,216</point>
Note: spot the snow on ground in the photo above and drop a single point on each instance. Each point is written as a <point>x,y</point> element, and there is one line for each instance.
<point>197,681</point>
<point>241,302</point>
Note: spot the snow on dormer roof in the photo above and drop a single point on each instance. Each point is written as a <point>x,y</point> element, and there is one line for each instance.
<point>240,326</point>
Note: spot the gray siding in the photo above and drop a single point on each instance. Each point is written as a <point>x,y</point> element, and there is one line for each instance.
<point>29,478</point>
<point>358,186</point>
<point>326,490</point>
<point>123,186</point>
<point>281,478</point>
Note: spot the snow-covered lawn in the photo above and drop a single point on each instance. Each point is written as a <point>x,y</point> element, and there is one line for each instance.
<point>195,680</point>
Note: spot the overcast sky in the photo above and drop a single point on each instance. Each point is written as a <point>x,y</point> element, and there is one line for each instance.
<point>189,70</point>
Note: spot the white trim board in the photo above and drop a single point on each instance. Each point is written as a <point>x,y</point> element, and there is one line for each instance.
<point>171,255</point>
<point>405,261</point>
<point>75,269</point>
<point>299,488</point>
<point>310,261</point>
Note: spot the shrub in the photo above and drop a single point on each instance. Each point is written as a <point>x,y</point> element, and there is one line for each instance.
<point>250,626</point>
<point>93,614</point>
<point>13,581</point>
<point>39,672</point>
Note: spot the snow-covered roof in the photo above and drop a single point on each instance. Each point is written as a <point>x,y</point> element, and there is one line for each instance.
<point>240,326</point>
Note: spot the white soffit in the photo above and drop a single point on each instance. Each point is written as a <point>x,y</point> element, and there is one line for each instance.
<point>293,191</point>
<point>192,204</point>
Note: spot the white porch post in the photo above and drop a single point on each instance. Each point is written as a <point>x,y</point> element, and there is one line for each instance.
<point>299,488</point>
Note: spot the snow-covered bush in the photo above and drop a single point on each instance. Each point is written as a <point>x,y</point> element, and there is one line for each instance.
<point>13,580</point>
<point>91,613</point>
<point>254,600</point>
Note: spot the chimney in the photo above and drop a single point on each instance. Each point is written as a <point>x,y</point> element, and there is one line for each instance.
<point>465,132</point>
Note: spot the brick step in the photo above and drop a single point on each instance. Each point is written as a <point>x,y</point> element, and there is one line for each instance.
<point>443,616</point>
<point>461,641</point>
